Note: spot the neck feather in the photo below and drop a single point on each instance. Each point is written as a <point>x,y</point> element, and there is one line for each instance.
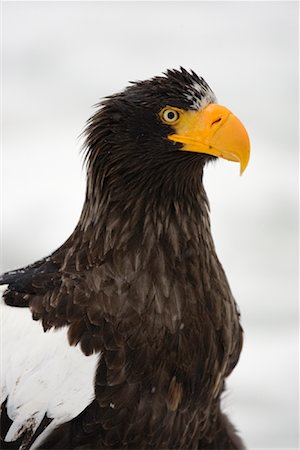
<point>127,195</point>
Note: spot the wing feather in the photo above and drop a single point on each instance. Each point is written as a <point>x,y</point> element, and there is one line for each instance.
<point>42,375</point>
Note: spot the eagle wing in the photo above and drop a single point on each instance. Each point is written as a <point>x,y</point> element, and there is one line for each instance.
<point>45,381</point>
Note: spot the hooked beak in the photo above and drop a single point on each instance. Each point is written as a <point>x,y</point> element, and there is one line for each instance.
<point>214,131</point>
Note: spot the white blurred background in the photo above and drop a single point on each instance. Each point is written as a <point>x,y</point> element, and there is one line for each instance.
<point>60,58</point>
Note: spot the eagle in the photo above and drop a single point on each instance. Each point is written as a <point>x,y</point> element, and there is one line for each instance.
<point>123,337</point>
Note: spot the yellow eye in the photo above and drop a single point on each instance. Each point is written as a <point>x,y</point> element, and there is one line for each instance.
<point>169,115</point>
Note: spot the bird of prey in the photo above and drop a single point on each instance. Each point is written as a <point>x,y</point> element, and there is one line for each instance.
<point>124,336</point>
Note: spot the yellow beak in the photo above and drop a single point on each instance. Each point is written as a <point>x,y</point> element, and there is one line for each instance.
<point>214,131</point>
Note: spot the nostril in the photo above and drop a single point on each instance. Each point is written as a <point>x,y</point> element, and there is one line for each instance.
<point>216,121</point>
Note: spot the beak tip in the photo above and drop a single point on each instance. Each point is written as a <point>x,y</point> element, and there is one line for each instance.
<point>243,166</point>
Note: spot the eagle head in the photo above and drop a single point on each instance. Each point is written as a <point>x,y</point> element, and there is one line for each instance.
<point>169,118</point>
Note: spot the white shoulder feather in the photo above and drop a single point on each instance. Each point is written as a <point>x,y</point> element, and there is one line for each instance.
<point>41,373</point>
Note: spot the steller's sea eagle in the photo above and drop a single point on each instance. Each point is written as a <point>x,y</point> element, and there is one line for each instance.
<point>123,337</point>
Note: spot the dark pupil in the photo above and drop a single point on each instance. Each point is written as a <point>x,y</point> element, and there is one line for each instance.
<point>171,115</point>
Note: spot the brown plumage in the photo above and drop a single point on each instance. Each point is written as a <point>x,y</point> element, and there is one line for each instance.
<point>139,281</point>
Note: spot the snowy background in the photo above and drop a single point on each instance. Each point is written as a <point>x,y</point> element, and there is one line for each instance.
<point>60,58</point>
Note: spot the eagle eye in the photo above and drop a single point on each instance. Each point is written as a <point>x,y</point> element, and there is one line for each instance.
<point>169,115</point>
